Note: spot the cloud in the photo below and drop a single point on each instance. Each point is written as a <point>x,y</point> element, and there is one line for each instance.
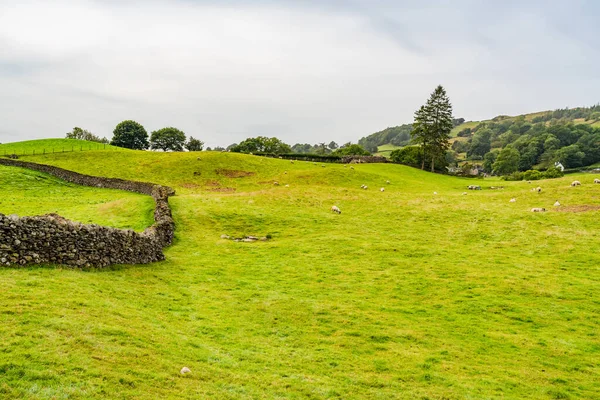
<point>302,71</point>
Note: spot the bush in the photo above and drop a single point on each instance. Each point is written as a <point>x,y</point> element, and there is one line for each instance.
<point>534,175</point>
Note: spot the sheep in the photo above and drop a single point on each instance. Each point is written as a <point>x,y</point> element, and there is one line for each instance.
<point>362,186</point>
<point>575,183</point>
<point>336,209</point>
<point>474,187</point>
<point>276,183</point>
<point>351,167</point>
<point>285,172</point>
<point>366,187</point>
<point>434,192</point>
<point>388,182</point>
<point>538,209</point>
<point>513,200</point>
<point>537,189</point>
<point>287,185</point>
<point>382,190</point>
<point>185,370</point>
<point>463,193</point>
<point>596,180</point>
<point>292,161</point>
<point>557,204</point>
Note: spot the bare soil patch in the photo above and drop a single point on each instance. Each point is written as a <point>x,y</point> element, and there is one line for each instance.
<point>232,173</point>
<point>221,189</point>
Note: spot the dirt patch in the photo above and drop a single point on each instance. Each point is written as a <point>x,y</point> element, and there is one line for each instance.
<point>221,189</point>
<point>212,183</point>
<point>232,173</point>
<point>580,208</point>
<point>190,185</point>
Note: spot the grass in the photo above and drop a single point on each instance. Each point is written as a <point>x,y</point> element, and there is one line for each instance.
<point>404,295</point>
<point>386,149</point>
<point>25,192</point>
<point>43,146</point>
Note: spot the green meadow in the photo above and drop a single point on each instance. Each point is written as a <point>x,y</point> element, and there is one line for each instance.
<point>407,294</point>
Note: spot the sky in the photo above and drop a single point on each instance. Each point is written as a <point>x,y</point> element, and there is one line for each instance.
<point>304,71</point>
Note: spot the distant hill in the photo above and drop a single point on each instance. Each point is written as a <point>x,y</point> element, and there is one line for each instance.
<point>574,135</point>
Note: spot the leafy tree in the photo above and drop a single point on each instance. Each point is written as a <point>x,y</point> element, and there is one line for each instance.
<point>262,144</point>
<point>489,159</point>
<point>480,144</point>
<point>195,144</point>
<point>413,156</point>
<point>459,146</point>
<point>166,139</point>
<point>321,148</point>
<point>570,156</point>
<point>351,150</point>
<point>82,134</point>
<point>332,145</point>
<point>131,135</point>
<point>432,126</point>
<point>507,161</point>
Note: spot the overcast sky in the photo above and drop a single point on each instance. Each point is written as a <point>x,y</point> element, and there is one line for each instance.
<point>304,71</point>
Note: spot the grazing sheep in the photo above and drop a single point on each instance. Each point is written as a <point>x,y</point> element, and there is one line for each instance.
<point>292,161</point>
<point>538,209</point>
<point>474,187</point>
<point>366,187</point>
<point>287,185</point>
<point>596,180</point>
<point>575,183</point>
<point>434,192</point>
<point>382,190</point>
<point>557,204</point>
<point>538,189</point>
<point>185,370</point>
<point>388,182</point>
<point>351,167</point>
<point>463,193</point>
<point>362,186</point>
<point>336,209</point>
<point>276,183</point>
<point>513,200</point>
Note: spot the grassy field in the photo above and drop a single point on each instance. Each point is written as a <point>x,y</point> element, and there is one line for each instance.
<point>407,294</point>
<point>43,146</point>
<point>25,192</point>
<point>386,149</point>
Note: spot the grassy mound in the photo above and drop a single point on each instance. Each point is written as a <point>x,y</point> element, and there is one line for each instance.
<point>406,294</point>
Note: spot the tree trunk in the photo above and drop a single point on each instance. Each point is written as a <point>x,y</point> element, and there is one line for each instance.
<point>423,162</point>
<point>432,162</point>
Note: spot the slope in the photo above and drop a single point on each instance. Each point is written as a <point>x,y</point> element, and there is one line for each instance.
<point>406,294</point>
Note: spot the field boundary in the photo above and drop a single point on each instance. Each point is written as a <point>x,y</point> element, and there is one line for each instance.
<point>54,239</point>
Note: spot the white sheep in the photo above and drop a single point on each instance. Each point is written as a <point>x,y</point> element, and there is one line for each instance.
<point>538,189</point>
<point>538,209</point>
<point>382,189</point>
<point>336,209</point>
<point>434,192</point>
<point>513,200</point>
<point>557,204</point>
<point>388,182</point>
<point>463,193</point>
<point>575,183</point>
<point>185,370</point>
<point>366,187</point>
<point>596,180</point>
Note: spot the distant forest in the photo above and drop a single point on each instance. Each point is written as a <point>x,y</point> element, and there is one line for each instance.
<point>534,141</point>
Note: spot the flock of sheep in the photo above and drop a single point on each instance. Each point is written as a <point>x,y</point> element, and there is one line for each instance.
<point>557,203</point>
<point>538,189</point>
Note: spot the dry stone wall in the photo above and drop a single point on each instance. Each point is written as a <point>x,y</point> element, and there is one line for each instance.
<point>53,239</point>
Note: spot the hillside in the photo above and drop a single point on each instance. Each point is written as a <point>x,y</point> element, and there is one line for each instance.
<point>407,294</point>
<point>573,134</point>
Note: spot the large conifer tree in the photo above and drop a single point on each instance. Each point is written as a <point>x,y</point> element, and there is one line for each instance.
<point>432,126</point>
